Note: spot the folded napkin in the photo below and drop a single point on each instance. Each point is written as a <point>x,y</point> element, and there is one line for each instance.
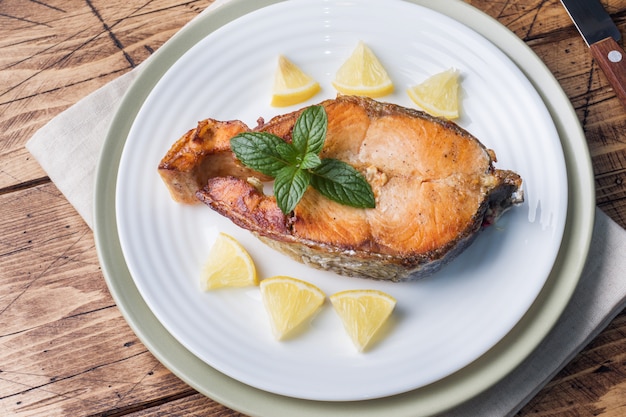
<point>68,149</point>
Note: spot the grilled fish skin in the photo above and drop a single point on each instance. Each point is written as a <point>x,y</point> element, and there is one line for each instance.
<point>202,153</point>
<point>435,187</point>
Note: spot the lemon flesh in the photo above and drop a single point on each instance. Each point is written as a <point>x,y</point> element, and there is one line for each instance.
<point>289,302</point>
<point>439,94</point>
<point>362,74</point>
<point>228,265</point>
<point>291,84</point>
<point>363,313</point>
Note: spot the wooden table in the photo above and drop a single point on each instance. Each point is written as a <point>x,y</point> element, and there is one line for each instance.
<point>65,349</point>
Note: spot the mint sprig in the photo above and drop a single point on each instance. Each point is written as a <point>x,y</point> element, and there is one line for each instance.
<point>296,165</point>
<point>338,181</point>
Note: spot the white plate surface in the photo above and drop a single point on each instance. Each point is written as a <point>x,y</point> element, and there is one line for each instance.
<point>442,323</point>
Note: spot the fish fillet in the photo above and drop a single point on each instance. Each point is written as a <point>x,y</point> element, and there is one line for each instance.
<point>435,187</point>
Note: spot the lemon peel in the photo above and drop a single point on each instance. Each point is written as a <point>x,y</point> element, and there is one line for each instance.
<point>439,94</point>
<point>228,265</point>
<point>363,74</point>
<point>363,313</point>
<point>289,302</point>
<point>291,84</point>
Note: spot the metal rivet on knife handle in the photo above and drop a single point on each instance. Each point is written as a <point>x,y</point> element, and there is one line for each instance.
<point>614,56</point>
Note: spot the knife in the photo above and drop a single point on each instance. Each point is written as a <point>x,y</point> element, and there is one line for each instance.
<point>601,35</point>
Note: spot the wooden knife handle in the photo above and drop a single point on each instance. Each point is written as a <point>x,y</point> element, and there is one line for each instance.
<point>612,60</point>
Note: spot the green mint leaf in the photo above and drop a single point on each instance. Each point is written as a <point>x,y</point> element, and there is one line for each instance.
<point>309,132</point>
<point>297,165</point>
<point>310,161</point>
<point>290,184</point>
<point>263,152</point>
<point>342,183</point>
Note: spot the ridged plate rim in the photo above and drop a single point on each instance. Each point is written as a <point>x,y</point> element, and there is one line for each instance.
<point>580,214</point>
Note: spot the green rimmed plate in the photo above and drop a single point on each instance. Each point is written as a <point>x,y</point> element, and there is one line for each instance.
<point>432,398</point>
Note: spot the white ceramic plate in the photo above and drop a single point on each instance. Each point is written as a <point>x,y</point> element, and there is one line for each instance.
<point>442,323</point>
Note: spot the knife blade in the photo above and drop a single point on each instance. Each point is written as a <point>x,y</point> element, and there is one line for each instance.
<point>602,36</point>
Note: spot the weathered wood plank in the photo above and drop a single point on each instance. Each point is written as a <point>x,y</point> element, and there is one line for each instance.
<point>53,54</point>
<point>195,405</point>
<point>65,349</point>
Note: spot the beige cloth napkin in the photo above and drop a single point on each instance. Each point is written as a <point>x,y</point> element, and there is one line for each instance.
<point>68,149</point>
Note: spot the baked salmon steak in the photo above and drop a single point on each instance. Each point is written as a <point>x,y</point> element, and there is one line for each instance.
<point>435,188</point>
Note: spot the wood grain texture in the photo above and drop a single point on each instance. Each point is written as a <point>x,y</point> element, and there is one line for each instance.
<point>65,349</point>
<point>53,53</point>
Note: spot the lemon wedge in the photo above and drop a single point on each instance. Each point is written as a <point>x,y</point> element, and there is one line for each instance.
<point>439,94</point>
<point>363,74</point>
<point>289,302</point>
<point>228,265</point>
<point>291,84</point>
<point>363,313</point>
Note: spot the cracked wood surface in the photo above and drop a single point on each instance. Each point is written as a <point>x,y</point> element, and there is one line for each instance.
<point>65,349</point>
